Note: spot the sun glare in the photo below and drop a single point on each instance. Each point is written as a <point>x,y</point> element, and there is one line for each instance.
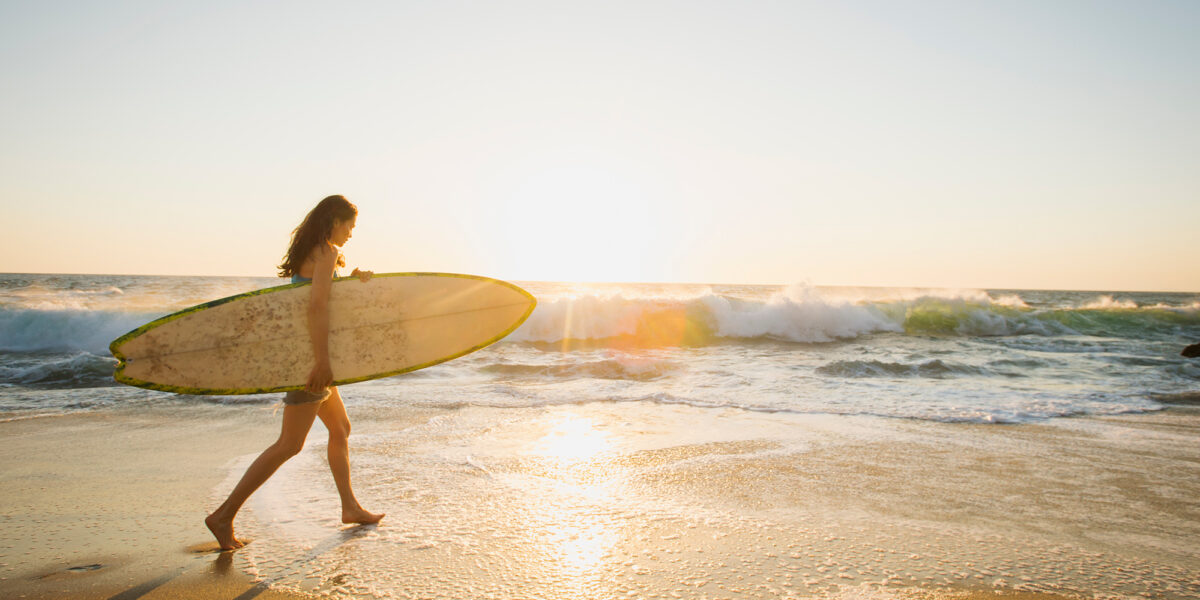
<point>573,439</point>
<point>574,529</point>
<point>583,219</point>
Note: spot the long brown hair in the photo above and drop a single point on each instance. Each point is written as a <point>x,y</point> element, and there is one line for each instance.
<point>316,229</point>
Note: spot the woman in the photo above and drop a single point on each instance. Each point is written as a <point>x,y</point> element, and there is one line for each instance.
<point>312,256</point>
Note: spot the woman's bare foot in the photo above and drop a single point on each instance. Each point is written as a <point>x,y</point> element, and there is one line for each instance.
<point>223,531</point>
<point>360,516</point>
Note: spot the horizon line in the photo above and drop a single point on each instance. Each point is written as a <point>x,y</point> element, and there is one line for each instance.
<point>583,282</point>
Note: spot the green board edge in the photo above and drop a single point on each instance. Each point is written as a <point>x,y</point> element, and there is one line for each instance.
<point>119,374</point>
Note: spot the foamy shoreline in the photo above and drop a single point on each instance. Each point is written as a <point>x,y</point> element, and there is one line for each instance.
<point>981,356</point>
<point>604,501</point>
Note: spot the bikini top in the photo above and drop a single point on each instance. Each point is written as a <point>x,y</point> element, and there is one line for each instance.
<point>296,278</point>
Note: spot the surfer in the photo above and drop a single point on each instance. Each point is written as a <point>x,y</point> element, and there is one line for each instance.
<point>312,256</point>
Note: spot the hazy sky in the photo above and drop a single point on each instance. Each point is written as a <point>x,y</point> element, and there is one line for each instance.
<point>975,144</point>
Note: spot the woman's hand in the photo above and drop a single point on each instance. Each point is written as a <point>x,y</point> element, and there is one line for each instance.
<point>319,378</point>
<point>362,276</point>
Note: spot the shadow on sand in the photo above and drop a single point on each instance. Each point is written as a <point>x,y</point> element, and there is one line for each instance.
<point>223,564</point>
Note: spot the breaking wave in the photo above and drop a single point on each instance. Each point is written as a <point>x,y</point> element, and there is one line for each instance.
<point>802,315</point>
<point>59,330</point>
<point>58,371</point>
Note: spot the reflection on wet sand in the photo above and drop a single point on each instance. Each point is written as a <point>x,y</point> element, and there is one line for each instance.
<point>632,501</point>
<point>575,536</point>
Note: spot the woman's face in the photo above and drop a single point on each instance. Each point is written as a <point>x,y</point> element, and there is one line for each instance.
<point>342,231</point>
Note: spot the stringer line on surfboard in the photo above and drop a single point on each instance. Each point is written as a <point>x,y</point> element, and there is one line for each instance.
<point>339,329</point>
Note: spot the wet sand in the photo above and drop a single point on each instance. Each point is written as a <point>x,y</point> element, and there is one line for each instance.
<point>606,501</point>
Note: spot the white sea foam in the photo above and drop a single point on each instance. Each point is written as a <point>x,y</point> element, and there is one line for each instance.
<point>40,297</point>
<point>799,314</point>
<point>1107,302</point>
<point>1009,300</point>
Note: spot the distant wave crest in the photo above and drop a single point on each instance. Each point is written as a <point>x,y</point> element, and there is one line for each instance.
<point>802,315</point>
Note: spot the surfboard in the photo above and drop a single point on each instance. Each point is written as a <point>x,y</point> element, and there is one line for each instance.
<point>258,342</point>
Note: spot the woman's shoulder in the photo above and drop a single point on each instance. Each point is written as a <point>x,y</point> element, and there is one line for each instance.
<point>324,251</point>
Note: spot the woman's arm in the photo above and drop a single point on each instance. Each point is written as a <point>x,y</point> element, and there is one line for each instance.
<point>318,317</point>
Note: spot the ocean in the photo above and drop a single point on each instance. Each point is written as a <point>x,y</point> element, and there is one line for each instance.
<point>980,356</point>
<point>638,441</point>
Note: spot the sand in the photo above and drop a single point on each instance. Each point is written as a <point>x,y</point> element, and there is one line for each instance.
<point>98,505</point>
<point>110,505</point>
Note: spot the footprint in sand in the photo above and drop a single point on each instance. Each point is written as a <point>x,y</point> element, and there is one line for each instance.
<point>209,548</point>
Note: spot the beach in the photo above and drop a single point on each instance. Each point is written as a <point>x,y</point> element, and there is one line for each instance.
<point>101,504</point>
<point>629,301</point>
<point>632,441</point>
<point>606,501</point>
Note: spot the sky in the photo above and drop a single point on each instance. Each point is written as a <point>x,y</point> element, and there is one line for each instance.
<point>947,144</point>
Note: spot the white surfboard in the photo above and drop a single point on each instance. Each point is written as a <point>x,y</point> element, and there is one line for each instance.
<point>258,342</point>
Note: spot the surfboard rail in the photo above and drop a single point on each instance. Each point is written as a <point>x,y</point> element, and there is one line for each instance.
<point>123,361</point>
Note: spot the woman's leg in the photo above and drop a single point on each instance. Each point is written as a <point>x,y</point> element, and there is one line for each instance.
<point>333,415</point>
<point>297,420</point>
